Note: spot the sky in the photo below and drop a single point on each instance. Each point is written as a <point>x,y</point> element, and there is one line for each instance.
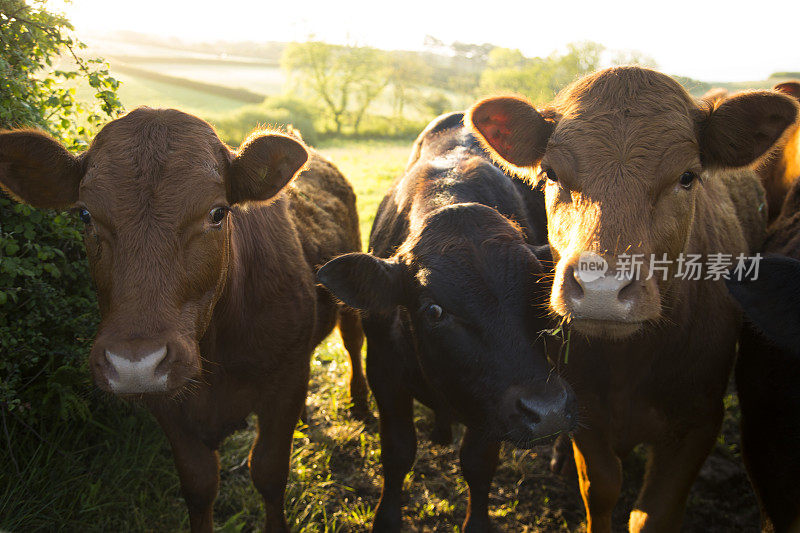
<point>710,41</point>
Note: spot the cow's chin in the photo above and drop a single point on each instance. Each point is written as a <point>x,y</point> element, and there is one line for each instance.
<point>606,329</point>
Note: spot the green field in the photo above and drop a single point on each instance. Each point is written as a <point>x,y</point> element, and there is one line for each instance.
<point>135,91</point>
<point>371,166</point>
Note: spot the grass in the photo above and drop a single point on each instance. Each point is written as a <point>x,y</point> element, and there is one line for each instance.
<point>135,91</point>
<point>119,476</point>
<point>233,93</point>
<point>371,166</point>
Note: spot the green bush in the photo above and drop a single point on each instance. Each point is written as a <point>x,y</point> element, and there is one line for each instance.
<point>383,127</point>
<point>48,314</point>
<point>70,454</point>
<point>277,112</point>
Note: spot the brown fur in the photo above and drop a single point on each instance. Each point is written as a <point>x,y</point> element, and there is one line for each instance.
<point>622,139</point>
<point>781,168</point>
<point>235,305</point>
<point>715,95</point>
<point>780,171</point>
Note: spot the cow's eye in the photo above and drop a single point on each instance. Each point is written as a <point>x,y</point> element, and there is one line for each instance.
<point>433,313</point>
<point>86,217</point>
<point>687,179</point>
<point>550,174</point>
<point>217,215</point>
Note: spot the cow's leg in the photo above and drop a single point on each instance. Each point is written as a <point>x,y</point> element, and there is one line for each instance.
<point>353,339</point>
<point>271,452</point>
<point>671,469</point>
<point>198,471</point>
<point>442,432</point>
<point>600,478</point>
<point>396,411</point>
<point>478,463</point>
<point>398,449</point>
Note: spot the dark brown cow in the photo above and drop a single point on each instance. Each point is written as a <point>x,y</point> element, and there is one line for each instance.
<point>768,371</point>
<point>204,262</point>
<point>632,165</point>
<point>453,293</point>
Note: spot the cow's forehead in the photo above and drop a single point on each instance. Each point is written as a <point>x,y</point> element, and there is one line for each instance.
<point>154,153</point>
<point>623,138</point>
<point>475,266</point>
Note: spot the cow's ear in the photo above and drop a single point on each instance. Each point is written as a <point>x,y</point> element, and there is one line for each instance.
<point>791,88</point>
<point>38,170</point>
<point>513,131</point>
<point>363,281</point>
<point>744,127</point>
<point>771,299</point>
<point>263,165</point>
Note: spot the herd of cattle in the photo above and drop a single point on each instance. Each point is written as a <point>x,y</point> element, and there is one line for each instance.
<point>218,272</point>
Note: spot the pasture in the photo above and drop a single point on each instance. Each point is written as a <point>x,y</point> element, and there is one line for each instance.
<point>115,471</point>
<point>125,481</point>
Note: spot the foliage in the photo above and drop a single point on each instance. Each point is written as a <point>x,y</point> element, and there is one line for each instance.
<point>538,78</point>
<point>633,57</point>
<point>32,92</point>
<point>48,314</point>
<point>47,307</point>
<point>407,75</point>
<point>457,66</point>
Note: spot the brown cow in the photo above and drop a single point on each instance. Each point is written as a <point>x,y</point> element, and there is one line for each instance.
<point>632,165</point>
<point>782,168</point>
<point>780,171</point>
<point>204,263</point>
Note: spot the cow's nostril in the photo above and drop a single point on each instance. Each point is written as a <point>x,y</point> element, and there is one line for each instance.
<point>628,290</point>
<point>573,283</point>
<point>529,409</point>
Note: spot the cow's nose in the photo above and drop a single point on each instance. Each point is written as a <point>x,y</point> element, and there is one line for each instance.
<point>549,413</point>
<point>137,374</point>
<point>607,297</point>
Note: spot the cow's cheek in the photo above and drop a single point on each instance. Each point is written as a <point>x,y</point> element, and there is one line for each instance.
<point>204,264</point>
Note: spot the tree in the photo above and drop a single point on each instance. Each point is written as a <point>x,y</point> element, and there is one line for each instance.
<point>633,57</point>
<point>345,79</point>
<point>407,73</point>
<point>371,76</point>
<point>538,78</point>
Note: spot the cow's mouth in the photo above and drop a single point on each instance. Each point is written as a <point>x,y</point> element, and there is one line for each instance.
<point>608,329</point>
<point>529,443</point>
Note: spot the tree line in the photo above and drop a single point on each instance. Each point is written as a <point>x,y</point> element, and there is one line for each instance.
<point>347,81</point>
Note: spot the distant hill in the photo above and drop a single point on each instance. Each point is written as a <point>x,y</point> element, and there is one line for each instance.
<point>222,77</point>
